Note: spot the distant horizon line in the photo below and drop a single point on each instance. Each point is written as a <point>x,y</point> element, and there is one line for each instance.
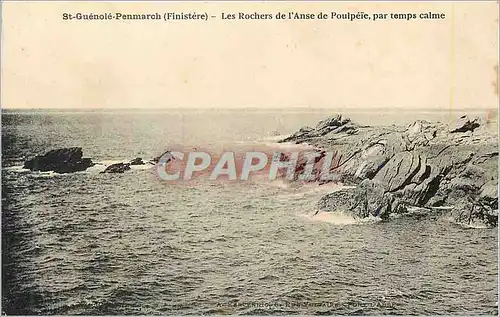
<point>254,108</point>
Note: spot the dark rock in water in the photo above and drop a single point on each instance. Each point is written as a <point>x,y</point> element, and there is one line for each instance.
<point>167,154</point>
<point>464,124</point>
<point>137,161</point>
<point>117,168</point>
<point>423,165</point>
<point>65,160</point>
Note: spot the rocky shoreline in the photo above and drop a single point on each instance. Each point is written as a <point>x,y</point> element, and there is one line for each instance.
<point>426,164</point>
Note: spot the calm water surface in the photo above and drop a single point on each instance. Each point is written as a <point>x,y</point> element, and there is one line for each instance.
<point>90,243</point>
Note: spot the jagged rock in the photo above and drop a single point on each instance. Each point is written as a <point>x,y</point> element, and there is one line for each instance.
<point>137,161</point>
<point>488,202</point>
<point>371,161</point>
<point>464,124</point>
<point>330,126</point>
<point>333,123</point>
<point>371,199</point>
<point>367,199</point>
<point>342,200</point>
<point>117,168</point>
<point>303,133</point>
<point>420,133</point>
<point>167,154</point>
<point>424,165</point>
<point>65,160</point>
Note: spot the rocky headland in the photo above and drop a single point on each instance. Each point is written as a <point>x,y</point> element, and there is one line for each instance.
<point>431,165</point>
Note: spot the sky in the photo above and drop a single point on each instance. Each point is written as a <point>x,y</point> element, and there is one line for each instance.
<point>48,62</point>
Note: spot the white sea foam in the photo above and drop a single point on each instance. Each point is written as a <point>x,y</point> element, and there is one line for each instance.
<point>142,167</point>
<point>275,137</point>
<point>370,219</point>
<point>473,225</point>
<point>17,168</point>
<point>97,168</point>
<point>101,166</point>
<point>46,174</point>
<point>109,162</point>
<point>337,218</point>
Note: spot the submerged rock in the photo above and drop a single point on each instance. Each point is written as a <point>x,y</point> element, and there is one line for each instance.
<point>65,160</point>
<point>423,165</point>
<point>117,168</point>
<point>166,155</point>
<point>137,161</point>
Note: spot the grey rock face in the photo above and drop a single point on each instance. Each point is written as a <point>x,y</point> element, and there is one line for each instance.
<point>65,160</point>
<point>423,165</point>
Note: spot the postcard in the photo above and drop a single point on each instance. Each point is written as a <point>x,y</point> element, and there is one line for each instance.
<point>249,158</point>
